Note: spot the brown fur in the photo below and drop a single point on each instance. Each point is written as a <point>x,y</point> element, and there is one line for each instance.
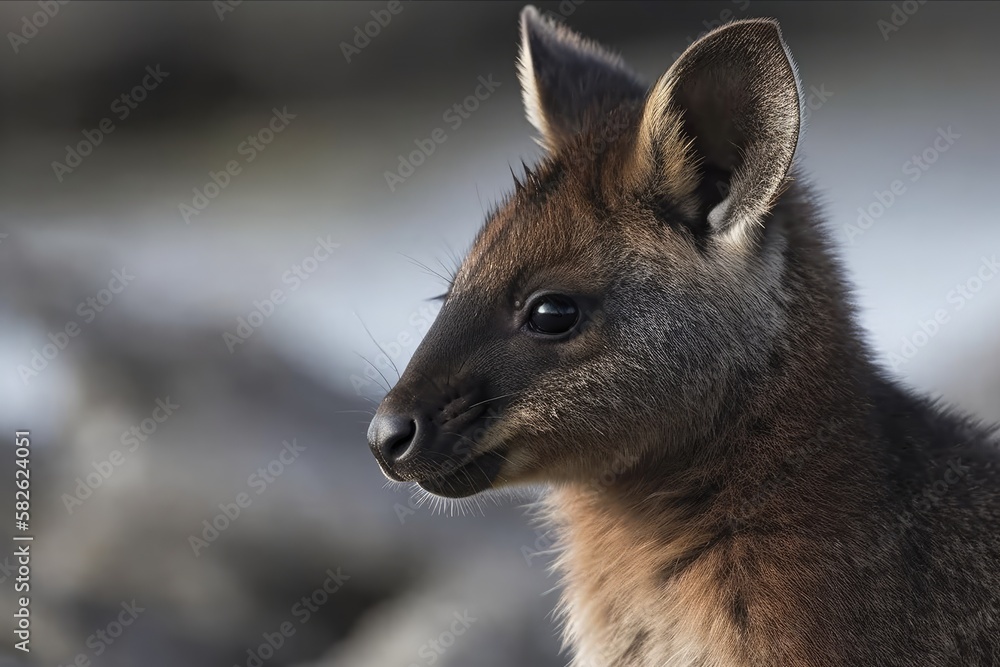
<point>735,481</point>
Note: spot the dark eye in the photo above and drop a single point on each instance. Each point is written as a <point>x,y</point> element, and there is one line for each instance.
<point>553,314</point>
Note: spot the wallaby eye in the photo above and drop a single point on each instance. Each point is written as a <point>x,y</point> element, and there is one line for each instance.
<point>553,314</point>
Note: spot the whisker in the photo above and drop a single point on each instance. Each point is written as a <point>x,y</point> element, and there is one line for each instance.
<point>462,367</point>
<point>391,483</point>
<point>393,363</point>
<point>455,257</point>
<point>451,272</point>
<point>428,269</point>
<point>387,385</point>
<point>495,398</point>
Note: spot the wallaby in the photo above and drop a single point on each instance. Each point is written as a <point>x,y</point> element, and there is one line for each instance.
<point>654,325</point>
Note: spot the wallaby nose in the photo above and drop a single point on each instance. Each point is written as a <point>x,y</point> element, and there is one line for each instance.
<point>390,436</point>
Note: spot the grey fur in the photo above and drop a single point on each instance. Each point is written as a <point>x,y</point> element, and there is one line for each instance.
<point>781,501</point>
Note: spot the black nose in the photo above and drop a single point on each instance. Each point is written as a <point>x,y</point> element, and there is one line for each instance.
<point>391,435</point>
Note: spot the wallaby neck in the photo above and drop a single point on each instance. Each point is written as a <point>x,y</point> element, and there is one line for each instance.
<point>649,538</point>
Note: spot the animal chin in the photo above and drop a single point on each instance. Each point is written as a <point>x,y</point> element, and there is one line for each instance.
<point>467,479</point>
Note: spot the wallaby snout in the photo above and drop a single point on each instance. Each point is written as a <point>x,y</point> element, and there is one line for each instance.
<point>427,430</point>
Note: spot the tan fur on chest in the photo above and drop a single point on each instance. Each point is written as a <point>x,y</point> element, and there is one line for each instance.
<point>633,598</point>
<point>654,324</point>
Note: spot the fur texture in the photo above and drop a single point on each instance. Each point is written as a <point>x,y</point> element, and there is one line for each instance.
<point>736,482</point>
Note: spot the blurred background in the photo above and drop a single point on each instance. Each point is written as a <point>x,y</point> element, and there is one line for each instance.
<point>197,227</point>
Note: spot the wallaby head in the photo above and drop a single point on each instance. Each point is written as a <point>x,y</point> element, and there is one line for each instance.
<point>656,301</point>
<point>628,288</point>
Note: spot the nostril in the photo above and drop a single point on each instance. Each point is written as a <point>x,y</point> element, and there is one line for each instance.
<point>397,445</point>
<point>394,434</point>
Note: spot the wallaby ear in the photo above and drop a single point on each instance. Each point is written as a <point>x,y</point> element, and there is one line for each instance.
<point>565,79</point>
<point>720,128</point>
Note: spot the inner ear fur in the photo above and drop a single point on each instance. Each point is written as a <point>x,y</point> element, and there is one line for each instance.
<point>719,129</point>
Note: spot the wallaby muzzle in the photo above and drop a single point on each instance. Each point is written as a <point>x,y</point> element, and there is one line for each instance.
<point>426,431</point>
